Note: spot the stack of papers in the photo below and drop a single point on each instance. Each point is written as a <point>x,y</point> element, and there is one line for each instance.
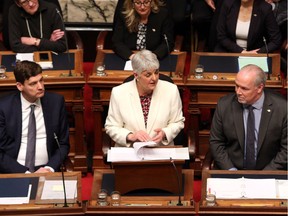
<point>146,151</point>
<point>239,188</point>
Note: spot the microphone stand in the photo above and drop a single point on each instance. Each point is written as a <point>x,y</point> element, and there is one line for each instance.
<point>169,55</point>
<point>66,43</point>
<point>178,180</point>
<point>266,48</point>
<point>62,172</point>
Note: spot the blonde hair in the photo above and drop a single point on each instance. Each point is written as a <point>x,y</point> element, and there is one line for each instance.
<point>132,18</point>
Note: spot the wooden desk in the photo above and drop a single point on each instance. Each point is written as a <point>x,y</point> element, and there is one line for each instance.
<point>44,209</point>
<point>155,205</point>
<point>205,93</point>
<point>241,206</point>
<point>174,63</point>
<point>72,89</point>
<point>102,87</point>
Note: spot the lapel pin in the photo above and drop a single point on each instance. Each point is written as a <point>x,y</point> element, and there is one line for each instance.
<point>268,110</point>
<point>254,15</point>
<point>153,30</point>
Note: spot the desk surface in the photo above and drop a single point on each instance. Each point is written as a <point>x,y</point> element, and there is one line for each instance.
<point>153,204</point>
<point>44,209</point>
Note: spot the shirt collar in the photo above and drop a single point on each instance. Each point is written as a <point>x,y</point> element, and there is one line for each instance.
<point>26,104</point>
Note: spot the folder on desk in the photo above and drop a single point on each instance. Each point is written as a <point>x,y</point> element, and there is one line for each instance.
<point>14,187</point>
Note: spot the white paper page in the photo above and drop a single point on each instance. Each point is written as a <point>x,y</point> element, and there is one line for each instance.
<point>260,188</point>
<point>139,145</point>
<point>16,200</point>
<point>259,61</point>
<point>128,66</point>
<point>53,189</point>
<point>225,188</point>
<point>25,56</point>
<point>46,65</point>
<point>282,189</point>
<point>164,153</point>
<point>122,154</point>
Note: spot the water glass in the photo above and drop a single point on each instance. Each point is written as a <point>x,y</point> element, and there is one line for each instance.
<point>102,198</point>
<point>115,198</point>
<point>199,70</point>
<point>2,72</point>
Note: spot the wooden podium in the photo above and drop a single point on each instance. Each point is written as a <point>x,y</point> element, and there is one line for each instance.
<point>130,176</point>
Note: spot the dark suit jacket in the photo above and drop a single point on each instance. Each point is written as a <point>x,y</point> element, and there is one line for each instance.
<point>227,135</point>
<point>263,24</point>
<point>56,121</point>
<point>158,24</point>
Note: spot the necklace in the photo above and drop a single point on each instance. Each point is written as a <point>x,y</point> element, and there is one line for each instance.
<point>41,30</point>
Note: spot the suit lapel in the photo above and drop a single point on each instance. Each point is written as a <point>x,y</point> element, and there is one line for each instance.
<point>154,108</point>
<point>267,112</point>
<point>238,121</point>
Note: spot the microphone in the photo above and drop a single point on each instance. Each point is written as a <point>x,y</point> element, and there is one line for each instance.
<point>66,42</point>
<point>169,55</point>
<point>266,49</point>
<point>63,180</point>
<point>178,180</point>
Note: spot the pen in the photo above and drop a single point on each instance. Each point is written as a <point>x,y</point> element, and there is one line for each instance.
<point>54,53</point>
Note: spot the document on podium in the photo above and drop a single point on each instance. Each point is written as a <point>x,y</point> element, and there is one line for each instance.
<point>146,151</point>
<point>229,188</point>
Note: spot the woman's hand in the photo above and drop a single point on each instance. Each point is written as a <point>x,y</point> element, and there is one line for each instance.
<point>56,35</point>
<point>141,136</point>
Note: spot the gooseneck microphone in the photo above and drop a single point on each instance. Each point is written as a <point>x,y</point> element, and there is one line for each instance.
<point>66,42</point>
<point>178,180</point>
<point>266,49</point>
<point>62,172</point>
<point>169,54</point>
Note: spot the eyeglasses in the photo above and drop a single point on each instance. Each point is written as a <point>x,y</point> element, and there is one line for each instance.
<point>25,3</point>
<point>145,3</point>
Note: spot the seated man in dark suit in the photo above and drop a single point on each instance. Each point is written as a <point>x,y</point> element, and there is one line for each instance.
<point>232,144</point>
<point>32,147</point>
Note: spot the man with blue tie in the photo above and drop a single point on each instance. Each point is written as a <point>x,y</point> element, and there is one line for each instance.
<point>30,119</point>
<point>250,109</point>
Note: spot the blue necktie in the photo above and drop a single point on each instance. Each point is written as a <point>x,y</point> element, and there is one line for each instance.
<point>31,141</point>
<point>250,140</point>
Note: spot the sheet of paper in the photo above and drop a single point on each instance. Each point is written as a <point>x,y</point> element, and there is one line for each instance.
<point>25,56</point>
<point>260,188</point>
<point>46,64</point>
<point>16,200</point>
<point>53,189</point>
<point>259,61</point>
<point>229,188</point>
<point>150,153</point>
<point>224,188</point>
<point>128,66</point>
<point>282,189</point>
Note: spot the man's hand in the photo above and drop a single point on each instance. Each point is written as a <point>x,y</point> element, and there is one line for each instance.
<point>56,35</point>
<point>43,170</point>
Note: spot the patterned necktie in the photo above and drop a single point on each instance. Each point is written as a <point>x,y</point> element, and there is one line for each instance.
<point>31,141</point>
<point>250,140</point>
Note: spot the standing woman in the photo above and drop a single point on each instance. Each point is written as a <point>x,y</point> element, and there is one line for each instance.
<point>143,24</point>
<point>243,26</point>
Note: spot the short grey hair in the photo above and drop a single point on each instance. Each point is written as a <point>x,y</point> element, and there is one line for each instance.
<point>144,60</point>
<point>260,77</point>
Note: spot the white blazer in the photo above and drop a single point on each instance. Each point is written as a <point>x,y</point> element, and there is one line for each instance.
<point>125,112</point>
